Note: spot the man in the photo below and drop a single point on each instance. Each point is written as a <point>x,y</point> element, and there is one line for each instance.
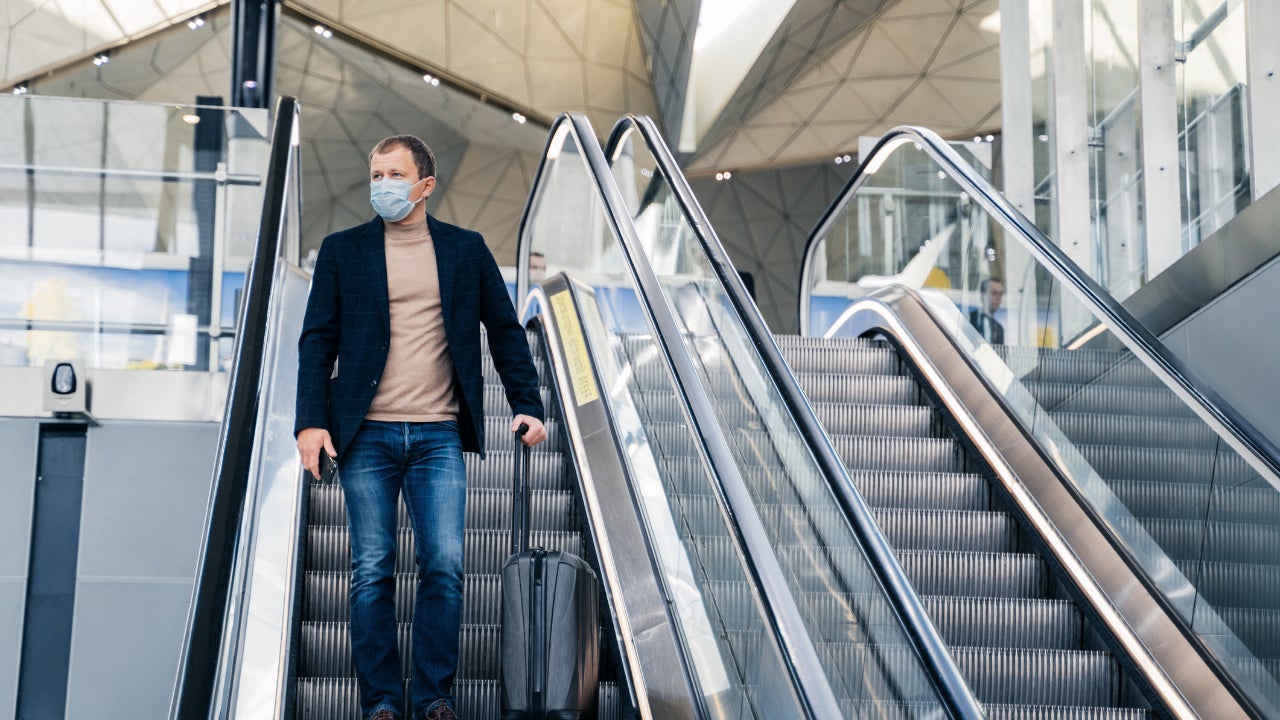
<point>537,268</point>
<point>398,303</point>
<point>984,319</point>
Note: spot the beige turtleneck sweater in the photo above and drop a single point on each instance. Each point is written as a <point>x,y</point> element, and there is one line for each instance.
<point>417,383</point>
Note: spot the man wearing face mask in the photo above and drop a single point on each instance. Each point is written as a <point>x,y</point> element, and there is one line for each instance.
<point>398,302</point>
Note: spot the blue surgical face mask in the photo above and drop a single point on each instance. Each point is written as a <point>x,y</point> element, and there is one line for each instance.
<point>390,198</point>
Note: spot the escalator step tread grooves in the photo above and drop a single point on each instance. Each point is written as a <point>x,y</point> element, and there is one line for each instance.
<point>325,686</point>
<point>1021,648</point>
<point>337,698</point>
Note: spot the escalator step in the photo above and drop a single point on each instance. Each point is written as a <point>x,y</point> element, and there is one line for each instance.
<point>327,597</point>
<point>1225,469</point>
<point>790,342</point>
<point>1006,622</point>
<point>849,361</point>
<point>948,530</point>
<point>337,698</point>
<point>1222,543</point>
<point>861,389</point>
<point>891,420</point>
<point>1115,400</point>
<point>1227,584</point>
<point>975,574</point>
<point>1059,712</point>
<point>902,454</point>
<point>1078,367</point>
<point>1096,429</point>
<point>326,651</point>
<point>1040,677</point>
<point>933,491</point>
<point>495,400</point>
<point>548,469</point>
<point>1189,501</point>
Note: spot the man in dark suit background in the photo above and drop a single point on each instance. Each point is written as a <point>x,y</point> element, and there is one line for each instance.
<point>984,319</point>
<point>397,303</point>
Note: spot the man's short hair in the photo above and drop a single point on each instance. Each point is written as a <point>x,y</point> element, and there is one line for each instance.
<point>982,286</point>
<point>422,155</point>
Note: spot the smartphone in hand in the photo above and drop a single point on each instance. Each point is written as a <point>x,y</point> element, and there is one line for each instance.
<point>328,468</point>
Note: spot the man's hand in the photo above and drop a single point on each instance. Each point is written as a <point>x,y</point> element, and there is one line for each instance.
<point>311,441</point>
<point>536,434</point>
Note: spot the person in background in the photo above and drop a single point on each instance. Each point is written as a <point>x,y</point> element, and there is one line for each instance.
<point>398,302</point>
<point>983,319</point>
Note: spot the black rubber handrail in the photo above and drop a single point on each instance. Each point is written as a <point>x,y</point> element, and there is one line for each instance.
<point>198,663</point>
<point>786,626</point>
<point>1240,434</point>
<point>948,681</point>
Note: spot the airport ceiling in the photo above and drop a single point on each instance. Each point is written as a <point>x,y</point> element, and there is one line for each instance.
<point>828,72</point>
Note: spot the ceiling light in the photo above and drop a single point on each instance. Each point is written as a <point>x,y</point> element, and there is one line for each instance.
<point>21,89</point>
<point>977,138</point>
<point>190,118</point>
<point>431,80</point>
<point>991,138</point>
<point>721,176</point>
<point>518,118</point>
<point>328,33</point>
<point>839,159</point>
<point>101,59</point>
<point>196,22</point>
<point>319,29</point>
<point>1044,138</point>
<point>848,158</point>
<point>991,23</point>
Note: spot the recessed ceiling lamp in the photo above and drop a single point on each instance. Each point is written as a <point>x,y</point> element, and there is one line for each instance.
<point>101,59</point>
<point>21,89</point>
<point>196,22</point>
<point>519,118</point>
<point>722,176</point>
<point>323,31</point>
<point>190,118</point>
<point>431,80</point>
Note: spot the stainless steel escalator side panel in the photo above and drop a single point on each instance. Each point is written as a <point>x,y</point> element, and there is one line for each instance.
<point>1170,663</point>
<point>651,653</point>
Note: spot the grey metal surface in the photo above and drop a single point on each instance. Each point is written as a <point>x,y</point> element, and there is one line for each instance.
<point>19,444</point>
<point>143,481</point>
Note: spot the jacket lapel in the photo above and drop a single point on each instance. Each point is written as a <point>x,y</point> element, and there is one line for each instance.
<point>446,261</point>
<point>373,248</point>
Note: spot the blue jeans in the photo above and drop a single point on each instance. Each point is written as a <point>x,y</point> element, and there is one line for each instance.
<point>424,461</point>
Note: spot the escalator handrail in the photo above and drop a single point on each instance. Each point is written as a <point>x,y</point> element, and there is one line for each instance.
<point>1240,434</point>
<point>787,627</point>
<point>946,676</point>
<point>198,662</point>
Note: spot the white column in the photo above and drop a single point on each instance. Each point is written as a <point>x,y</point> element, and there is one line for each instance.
<point>1018,163</point>
<point>1015,98</point>
<point>1159,103</point>
<point>1262,28</point>
<point>1070,115</point>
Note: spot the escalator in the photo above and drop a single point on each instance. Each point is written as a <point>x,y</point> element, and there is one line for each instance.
<point>902,540</point>
<point>1163,504</point>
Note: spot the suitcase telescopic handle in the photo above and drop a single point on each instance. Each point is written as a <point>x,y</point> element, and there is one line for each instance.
<point>520,500</point>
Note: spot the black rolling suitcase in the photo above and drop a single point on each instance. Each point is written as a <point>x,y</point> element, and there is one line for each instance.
<point>550,645</point>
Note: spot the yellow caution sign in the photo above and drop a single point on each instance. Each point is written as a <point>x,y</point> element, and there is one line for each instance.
<point>575,349</point>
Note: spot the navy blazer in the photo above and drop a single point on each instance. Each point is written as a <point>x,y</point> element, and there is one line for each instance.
<point>348,319</point>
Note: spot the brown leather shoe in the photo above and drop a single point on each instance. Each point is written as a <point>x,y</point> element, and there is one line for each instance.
<point>441,712</point>
<point>385,715</point>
